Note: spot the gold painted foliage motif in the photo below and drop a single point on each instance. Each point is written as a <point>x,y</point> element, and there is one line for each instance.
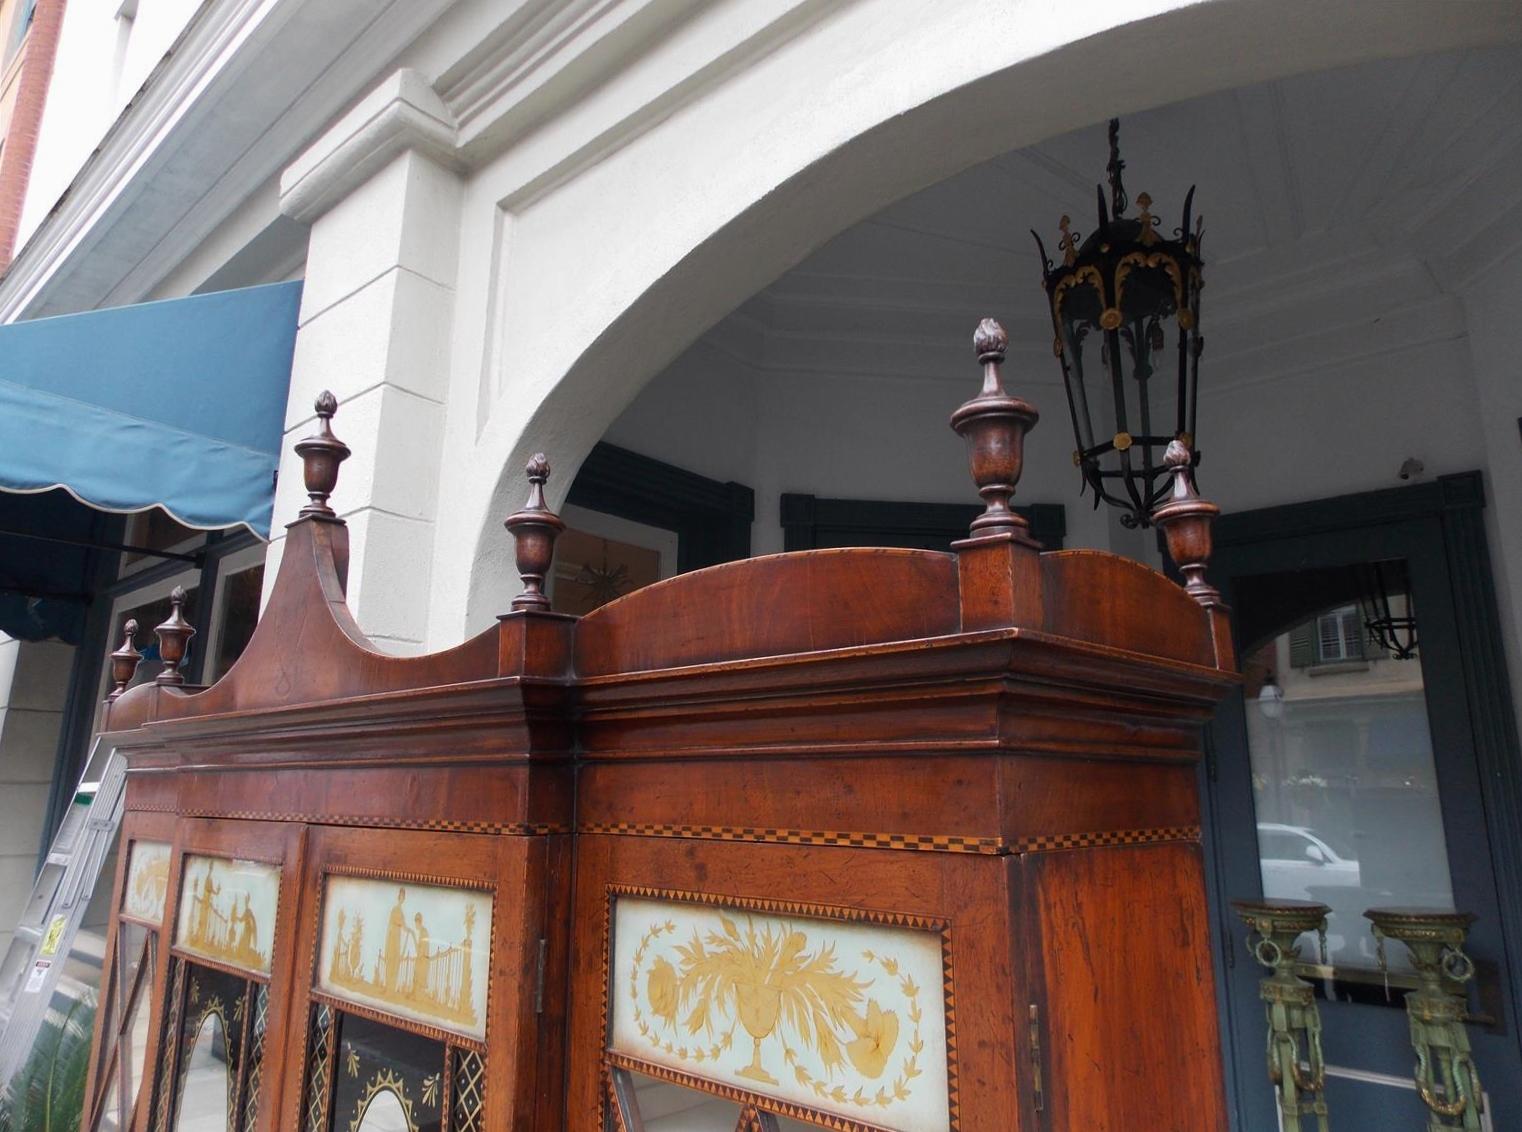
<point>777,986</point>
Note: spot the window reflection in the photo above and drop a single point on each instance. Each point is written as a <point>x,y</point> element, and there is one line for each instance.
<point>204,1086</point>
<point>220,1049</point>
<point>1343,779</point>
<point>135,1046</point>
<point>371,1060</point>
<point>384,1113</point>
<point>667,1107</point>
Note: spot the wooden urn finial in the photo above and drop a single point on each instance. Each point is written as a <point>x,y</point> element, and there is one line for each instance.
<point>534,530</point>
<point>994,425</point>
<point>174,634</point>
<point>320,455</point>
<point>1185,521</point>
<point>124,660</point>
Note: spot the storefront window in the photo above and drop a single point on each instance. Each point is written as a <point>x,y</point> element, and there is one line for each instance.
<point>148,613</point>
<point>237,614</point>
<point>156,529</point>
<point>1344,783</point>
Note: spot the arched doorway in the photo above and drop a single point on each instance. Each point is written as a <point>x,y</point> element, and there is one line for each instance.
<point>732,218</point>
<point>1331,358</point>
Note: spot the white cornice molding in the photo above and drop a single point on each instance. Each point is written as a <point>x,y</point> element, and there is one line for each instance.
<point>402,113</point>
<point>212,38</point>
<point>510,61</point>
<point>192,148</point>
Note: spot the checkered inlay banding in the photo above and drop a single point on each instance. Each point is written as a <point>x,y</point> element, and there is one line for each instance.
<point>1104,838</point>
<point>935,843</point>
<point>927,842</point>
<point>444,825</point>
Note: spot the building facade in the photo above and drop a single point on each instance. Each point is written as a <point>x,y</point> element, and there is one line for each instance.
<point>720,261</point>
<point>31,31</point>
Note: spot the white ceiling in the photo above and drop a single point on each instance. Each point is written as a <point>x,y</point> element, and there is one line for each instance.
<point>1342,211</point>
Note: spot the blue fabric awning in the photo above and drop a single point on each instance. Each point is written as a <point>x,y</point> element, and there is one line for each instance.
<point>178,404</point>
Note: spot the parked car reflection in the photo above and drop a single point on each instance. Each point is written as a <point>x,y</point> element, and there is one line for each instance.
<point>1300,864</point>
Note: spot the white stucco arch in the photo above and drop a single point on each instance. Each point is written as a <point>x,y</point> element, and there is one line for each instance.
<point>865,105</point>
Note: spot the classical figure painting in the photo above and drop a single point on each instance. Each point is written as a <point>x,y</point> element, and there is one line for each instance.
<point>415,951</point>
<point>847,1017</point>
<point>147,882</point>
<point>227,911</point>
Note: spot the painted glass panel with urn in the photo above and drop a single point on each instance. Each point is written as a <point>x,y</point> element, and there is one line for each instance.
<point>736,1017</point>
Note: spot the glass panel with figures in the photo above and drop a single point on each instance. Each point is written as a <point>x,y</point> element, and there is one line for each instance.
<point>1344,783</point>
<point>398,1022</point>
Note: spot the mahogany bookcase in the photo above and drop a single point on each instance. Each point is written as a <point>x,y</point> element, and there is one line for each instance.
<point>857,839</point>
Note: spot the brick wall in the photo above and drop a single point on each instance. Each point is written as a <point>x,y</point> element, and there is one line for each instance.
<point>26,119</point>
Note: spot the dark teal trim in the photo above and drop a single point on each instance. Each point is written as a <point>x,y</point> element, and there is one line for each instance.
<point>809,523</point>
<point>711,518</point>
<point>1446,517</point>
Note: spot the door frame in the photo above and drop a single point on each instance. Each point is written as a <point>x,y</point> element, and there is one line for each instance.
<point>712,520</point>
<point>1453,507</point>
<point>810,522</point>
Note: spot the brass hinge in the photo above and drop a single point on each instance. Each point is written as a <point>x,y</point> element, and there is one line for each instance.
<point>544,947</point>
<point>1038,1099</point>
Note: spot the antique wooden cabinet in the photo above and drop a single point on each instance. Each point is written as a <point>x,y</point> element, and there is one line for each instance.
<point>854,839</point>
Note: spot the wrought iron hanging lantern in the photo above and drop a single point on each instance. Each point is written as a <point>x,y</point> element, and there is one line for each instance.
<point>1115,298</point>
<point>1386,608</point>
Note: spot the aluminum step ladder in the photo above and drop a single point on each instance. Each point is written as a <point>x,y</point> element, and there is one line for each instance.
<point>43,972</point>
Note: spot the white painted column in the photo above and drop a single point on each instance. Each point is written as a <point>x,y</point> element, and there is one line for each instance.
<point>382,194</point>
<point>1492,301</point>
<point>34,683</point>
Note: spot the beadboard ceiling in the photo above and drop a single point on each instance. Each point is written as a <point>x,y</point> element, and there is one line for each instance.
<point>1342,210</point>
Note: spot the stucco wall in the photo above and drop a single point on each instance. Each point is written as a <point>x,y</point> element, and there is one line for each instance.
<point>1321,430</point>
<point>1491,305</point>
<point>596,276</point>
<point>34,681</point>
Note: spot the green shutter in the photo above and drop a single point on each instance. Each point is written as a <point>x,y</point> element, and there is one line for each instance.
<point>1356,635</point>
<point>1302,644</point>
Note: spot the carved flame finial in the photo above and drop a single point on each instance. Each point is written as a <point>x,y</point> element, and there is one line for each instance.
<point>174,635</point>
<point>1185,520</point>
<point>538,472</point>
<point>124,660</point>
<point>321,453</point>
<point>990,341</point>
<point>534,529</point>
<point>994,425</point>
